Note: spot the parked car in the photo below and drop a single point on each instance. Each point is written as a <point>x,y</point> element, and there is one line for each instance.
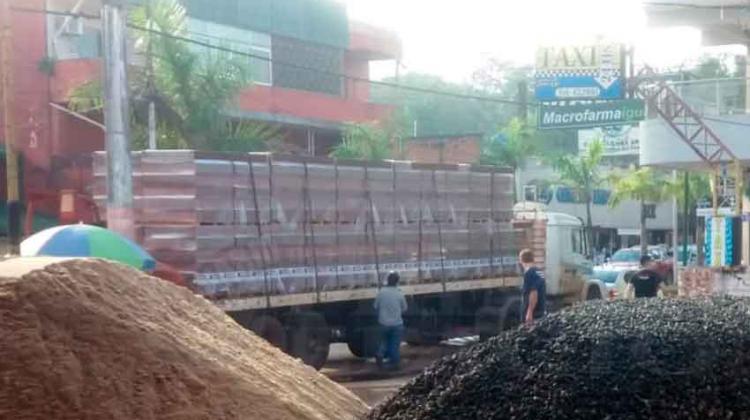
<point>617,282</point>
<point>613,279</point>
<point>630,259</point>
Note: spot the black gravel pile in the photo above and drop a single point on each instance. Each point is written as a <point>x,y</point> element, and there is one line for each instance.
<point>649,359</point>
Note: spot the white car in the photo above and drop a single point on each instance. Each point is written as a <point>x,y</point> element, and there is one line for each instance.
<point>617,282</point>
<point>614,279</point>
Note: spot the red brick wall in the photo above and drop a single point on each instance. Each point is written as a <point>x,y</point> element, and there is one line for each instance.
<point>465,149</point>
<point>29,111</point>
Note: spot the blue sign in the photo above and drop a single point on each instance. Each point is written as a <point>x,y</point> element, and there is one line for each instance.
<point>551,87</point>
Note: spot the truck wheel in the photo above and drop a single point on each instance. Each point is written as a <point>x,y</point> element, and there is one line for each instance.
<point>511,314</point>
<point>309,338</point>
<point>270,329</point>
<point>487,322</point>
<point>423,328</point>
<point>362,334</point>
<point>593,293</point>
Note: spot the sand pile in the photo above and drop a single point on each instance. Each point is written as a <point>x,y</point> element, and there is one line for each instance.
<point>86,339</point>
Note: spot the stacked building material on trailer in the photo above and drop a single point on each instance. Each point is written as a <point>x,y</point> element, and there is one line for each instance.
<point>249,224</point>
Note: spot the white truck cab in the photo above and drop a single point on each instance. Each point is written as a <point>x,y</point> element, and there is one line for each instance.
<point>565,263</point>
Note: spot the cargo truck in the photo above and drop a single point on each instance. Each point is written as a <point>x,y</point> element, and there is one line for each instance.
<point>296,249</point>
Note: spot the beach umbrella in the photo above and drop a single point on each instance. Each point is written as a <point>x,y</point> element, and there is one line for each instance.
<point>87,241</point>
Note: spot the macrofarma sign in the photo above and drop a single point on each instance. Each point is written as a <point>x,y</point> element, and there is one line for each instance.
<point>600,114</point>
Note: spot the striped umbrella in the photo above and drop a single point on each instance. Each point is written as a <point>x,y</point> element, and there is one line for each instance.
<point>87,241</point>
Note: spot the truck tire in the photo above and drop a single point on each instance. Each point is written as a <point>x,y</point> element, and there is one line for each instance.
<point>511,314</point>
<point>362,334</point>
<point>492,320</point>
<point>270,329</point>
<point>487,322</point>
<point>422,328</point>
<point>309,338</point>
<point>593,293</point>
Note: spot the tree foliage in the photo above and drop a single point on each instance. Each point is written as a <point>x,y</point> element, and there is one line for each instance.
<point>510,147</point>
<point>643,185</point>
<point>364,141</point>
<point>191,88</point>
<point>439,114</point>
<point>503,78</point>
<point>582,173</point>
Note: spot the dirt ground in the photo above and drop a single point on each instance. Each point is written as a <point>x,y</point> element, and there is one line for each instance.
<point>373,385</point>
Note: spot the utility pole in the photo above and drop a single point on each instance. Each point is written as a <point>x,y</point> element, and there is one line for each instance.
<point>523,100</point>
<point>686,221</point>
<point>117,120</point>
<point>151,89</point>
<point>676,234</point>
<point>11,156</point>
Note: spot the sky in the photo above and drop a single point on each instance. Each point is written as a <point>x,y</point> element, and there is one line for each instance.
<point>452,38</point>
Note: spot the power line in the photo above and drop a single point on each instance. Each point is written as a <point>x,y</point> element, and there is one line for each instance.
<point>291,65</point>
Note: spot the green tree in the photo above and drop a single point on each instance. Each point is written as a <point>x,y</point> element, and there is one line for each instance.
<point>442,114</point>
<point>699,190</point>
<point>645,186</point>
<point>503,78</point>
<point>192,88</point>
<point>582,173</point>
<point>511,147</point>
<point>364,141</point>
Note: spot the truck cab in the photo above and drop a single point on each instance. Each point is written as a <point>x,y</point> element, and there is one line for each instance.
<point>566,266</point>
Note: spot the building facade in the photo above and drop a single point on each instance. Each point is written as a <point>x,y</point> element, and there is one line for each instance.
<point>309,63</point>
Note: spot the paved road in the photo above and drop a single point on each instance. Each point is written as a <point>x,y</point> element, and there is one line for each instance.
<point>374,385</point>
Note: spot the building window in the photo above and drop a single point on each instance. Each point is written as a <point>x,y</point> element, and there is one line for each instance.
<point>306,66</point>
<point>601,197</point>
<point>255,44</point>
<point>71,38</point>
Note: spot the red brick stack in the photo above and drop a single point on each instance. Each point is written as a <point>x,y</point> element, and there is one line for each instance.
<point>245,224</point>
<point>697,281</point>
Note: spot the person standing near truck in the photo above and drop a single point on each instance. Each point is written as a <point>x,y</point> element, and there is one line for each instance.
<point>390,304</point>
<point>534,291</point>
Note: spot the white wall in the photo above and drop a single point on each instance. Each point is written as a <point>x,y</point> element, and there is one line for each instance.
<point>660,144</point>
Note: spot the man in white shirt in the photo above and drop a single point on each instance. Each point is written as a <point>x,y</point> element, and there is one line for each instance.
<point>390,305</point>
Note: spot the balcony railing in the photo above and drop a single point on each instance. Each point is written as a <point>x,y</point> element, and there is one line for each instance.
<point>714,97</point>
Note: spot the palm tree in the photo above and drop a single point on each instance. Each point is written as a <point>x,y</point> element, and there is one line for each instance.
<point>364,141</point>
<point>699,189</point>
<point>510,148</point>
<point>582,173</point>
<point>642,185</point>
<point>191,88</point>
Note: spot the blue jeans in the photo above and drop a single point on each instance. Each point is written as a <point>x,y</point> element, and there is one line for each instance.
<point>390,343</point>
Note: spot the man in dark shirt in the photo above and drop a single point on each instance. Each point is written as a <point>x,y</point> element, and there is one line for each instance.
<point>646,282</point>
<point>534,289</point>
